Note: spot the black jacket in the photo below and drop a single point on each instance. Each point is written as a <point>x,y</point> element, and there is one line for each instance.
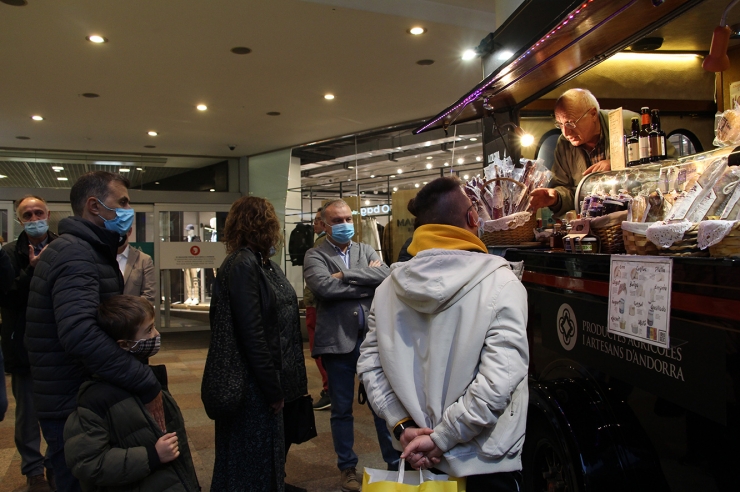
<point>13,305</point>
<point>6,272</point>
<point>110,442</point>
<point>65,344</point>
<point>258,338</point>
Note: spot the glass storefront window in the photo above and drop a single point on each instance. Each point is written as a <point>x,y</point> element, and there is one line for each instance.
<point>188,237</point>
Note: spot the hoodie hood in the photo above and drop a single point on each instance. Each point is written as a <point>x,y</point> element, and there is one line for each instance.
<point>437,278</point>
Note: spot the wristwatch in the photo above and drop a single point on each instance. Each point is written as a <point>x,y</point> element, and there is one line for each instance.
<point>402,426</point>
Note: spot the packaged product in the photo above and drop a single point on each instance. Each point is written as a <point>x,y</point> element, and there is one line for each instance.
<point>727,130</point>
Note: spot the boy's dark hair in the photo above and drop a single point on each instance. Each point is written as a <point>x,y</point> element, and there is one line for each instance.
<point>439,202</point>
<point>95,184</point>
<point>121,316</point>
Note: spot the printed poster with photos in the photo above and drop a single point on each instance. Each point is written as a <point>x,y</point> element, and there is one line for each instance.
<point>640,298</point>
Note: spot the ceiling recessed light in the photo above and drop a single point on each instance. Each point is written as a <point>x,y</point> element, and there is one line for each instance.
<point>447,163</point>
<point>124,170</point>
<point>156,182</point>
<point>417,30</point>
<point>241,50</point>
<point>393,175</point>
<point>57,168</point>
<point>21,137</point>
<point>201,107</point>
<point>372,175</point>
<point>473,139</point>
<point>469,54</point>
<point>367,202</point>
<point>2,176</point>
<point>429,157</point>
<point>399,171</point>
<point>152,133</point>
<point>97,39</point>
<point>478,158</point>
<point>425,62</point>
<point>395,188</point>
<point>466,177</point>
<point>460,160</point>
<point>416,185</point>
<point>328,97</point>
<point>273,113</point>
<point>62,178</point>
<point>212,189</point>
<point>425,182</point>
<point>150,146</point>
<point>90,95</point>
<point>429,166</point>
<point>139,168</point>
<point>37,118</point>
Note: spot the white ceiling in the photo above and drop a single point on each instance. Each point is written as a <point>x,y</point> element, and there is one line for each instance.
<point>164,57</point>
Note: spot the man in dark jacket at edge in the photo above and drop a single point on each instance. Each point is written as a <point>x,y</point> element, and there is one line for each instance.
<point>33,214</point>
<point>6,280</point>
<point>65,344</point>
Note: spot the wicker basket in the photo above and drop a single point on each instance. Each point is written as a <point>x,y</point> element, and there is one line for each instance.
<point>729,246</point>
<point>688,246</point>
<point>610,236</point>
<point>637,244</point>
<point>511,237</point>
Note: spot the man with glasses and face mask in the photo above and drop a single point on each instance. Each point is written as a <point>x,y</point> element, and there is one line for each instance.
<point>343,276</point>
<point>66,346</point>
<point>582,149</point>
<point>33,214</point>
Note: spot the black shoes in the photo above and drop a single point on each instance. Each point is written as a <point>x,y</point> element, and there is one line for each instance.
<point>324,402</point>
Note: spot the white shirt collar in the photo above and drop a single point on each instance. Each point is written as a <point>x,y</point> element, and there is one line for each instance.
<point>125,252</point>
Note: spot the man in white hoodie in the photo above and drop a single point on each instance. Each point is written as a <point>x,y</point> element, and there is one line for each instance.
<point>445,360</point>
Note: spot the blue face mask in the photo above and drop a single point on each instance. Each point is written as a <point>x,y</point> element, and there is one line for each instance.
<point>122,222</point>
<point>36,228</point>
<point>272,252</point>
<point>342,233</point>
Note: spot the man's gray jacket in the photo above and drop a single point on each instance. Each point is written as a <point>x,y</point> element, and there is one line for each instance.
<point>338,301</point>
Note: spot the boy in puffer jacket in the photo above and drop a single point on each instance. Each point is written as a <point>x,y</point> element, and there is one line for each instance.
<point>112,443</point>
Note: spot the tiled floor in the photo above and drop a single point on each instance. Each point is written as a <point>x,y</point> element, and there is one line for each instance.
<point>311,465</point>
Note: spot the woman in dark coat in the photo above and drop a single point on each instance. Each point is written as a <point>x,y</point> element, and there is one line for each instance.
<point>250,449</point>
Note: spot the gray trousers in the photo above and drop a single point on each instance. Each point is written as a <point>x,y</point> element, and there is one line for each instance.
<point>27,430</point>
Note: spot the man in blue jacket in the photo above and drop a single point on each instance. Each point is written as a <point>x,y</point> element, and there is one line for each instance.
<point>65,344</point>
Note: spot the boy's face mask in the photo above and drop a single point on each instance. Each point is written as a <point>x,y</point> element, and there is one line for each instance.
<point>145,348</point>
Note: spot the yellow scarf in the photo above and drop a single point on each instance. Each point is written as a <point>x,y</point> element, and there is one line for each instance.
<point>444,237</point>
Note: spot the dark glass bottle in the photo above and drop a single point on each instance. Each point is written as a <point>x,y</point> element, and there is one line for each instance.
<point>657,138</point>
<point>633,144</point>
<point>556,240</point>
<point>645,135</point>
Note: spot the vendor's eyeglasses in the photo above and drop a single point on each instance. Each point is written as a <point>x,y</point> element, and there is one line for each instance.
<point>571,125</point>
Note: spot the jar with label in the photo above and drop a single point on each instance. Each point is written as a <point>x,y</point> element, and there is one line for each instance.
<point>587,245</point>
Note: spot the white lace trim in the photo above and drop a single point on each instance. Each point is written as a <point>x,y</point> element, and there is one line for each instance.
<point>664,235</point>
<point>713,231</point>
<point>507,223</point>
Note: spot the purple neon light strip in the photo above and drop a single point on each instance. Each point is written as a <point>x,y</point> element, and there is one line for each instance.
<point>474,95</point>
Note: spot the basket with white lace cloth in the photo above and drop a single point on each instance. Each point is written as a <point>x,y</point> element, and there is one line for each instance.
<point>510,230</point>
<point>721,237</point>
<point>676,238</point>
